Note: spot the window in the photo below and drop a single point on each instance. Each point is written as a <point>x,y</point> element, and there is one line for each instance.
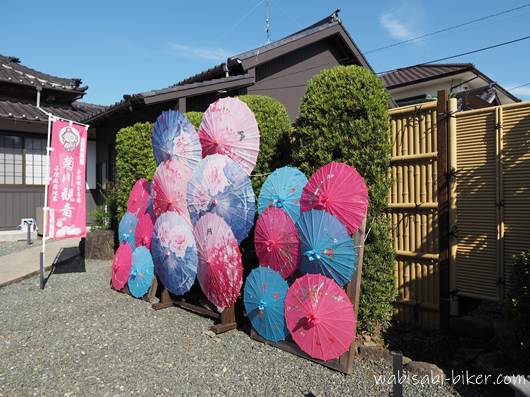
<point>11,160</point>
<point>35,157</point>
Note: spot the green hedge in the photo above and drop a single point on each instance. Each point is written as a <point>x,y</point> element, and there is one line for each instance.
<point>274,125</point>
<point>195,118</point>
<point>519,305</point>
<point>343,117</point>
<point>134,160</point>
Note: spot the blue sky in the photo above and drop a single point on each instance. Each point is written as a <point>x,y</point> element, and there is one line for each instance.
<point>124,47</point>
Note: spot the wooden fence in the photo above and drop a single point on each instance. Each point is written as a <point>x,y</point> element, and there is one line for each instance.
<point>459,204</point>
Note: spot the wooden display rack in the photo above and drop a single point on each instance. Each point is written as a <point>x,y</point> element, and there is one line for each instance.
<point>149,297</point>
<point>226,320</point>
<point>344,363</point>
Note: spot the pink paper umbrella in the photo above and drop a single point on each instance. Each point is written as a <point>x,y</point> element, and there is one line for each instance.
<point>170,185</point>
<point>139,197</point>
<point>229,127</point>
<point>276,240</point>
<point>220,271</point>
<point>320,317</point>
<point>144,230</point>
<point>121,266</point>
<point>337,188</point>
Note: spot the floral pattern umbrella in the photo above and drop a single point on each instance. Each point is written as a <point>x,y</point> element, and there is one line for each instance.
<point>127,229</point>
<point>220,271</point>
<point>121,266</point>
<point>320,317</point>
<point>142,272</point>
<point>174,253</point>
<point>338,189</point>
<point>174,138</point>
<point>170,186</point>
<point>277,243</point>
<point>220,186</point>
<point>229,127</point>
<point>144,231</point>
<point>139,198</point>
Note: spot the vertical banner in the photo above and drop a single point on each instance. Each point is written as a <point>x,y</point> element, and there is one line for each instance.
<point>66,192</point>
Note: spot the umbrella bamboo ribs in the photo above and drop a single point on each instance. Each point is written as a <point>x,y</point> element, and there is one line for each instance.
<point>225,321</point>
<point>344,363</point>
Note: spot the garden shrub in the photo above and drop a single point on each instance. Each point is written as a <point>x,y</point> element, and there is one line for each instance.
<point>519,304</point>
<point>274,126</point>
<point>343,117</point>
<point>134,160</point>
<point>195,118</point>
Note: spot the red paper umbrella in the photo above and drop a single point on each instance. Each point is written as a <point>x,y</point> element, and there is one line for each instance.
<point>320,317</point>
<point>276,240</point>
<point>170,185</point>
<point>139,197</point>
<point>220,272</point>
<point>337,188</point>
<point>144,230</point>
<point>121,266</point>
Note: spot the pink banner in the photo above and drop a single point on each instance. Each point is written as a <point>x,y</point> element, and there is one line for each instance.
<point>66,192</point>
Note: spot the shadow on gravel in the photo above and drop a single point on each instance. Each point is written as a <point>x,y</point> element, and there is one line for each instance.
<point>68,260</point>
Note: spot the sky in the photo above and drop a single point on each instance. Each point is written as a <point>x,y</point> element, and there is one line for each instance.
<point>125,47</point>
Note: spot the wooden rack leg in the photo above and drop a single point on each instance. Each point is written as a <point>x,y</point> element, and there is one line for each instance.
<point>228,321</point>
<point>165,301</point>
<point>152,291</point>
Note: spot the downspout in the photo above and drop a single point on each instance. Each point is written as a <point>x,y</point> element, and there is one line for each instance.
<point>39,89</point>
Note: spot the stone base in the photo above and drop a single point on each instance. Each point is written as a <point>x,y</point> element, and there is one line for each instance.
<point>99,244</point>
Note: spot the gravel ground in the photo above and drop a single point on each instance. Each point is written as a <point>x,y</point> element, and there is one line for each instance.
<point>78,337</point>
<point>7,247</point>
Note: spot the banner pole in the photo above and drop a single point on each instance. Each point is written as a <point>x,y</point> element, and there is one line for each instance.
<point>45,208</point>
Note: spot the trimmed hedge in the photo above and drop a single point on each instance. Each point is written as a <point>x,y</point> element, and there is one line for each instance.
<point>195,118</point>
<point>134,160</point>
<point>343,117</point>
<point>519,304</point>
<point>274,125</point>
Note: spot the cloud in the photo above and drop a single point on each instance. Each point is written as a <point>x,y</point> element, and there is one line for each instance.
<point>521,91</point>
<point>209,53</point>
<point>395,27</point>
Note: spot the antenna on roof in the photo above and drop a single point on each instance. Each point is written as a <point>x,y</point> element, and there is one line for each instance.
<point>267,21</point>
<point>335,15</point>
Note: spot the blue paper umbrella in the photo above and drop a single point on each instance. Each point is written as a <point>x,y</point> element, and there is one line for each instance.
<point>127,227</point>
<point>174,252</point>
<point>175,138</point>
<point>219,185</point>
<point>142,272</point>
<point>326,247</point>
<point>264,295</point>
<point>283,189</point>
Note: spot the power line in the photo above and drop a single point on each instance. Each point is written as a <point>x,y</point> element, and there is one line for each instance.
<point>519,86</point>
<point>468,52</point>
<point>243,17</point>
<point>447,29</point>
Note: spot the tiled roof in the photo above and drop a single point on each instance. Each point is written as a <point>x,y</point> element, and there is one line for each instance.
<point>77,111</point>
<point>12,71</point>
<point>417,73</point>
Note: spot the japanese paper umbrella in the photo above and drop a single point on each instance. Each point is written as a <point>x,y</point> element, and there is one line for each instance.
<point>276,241</point>
<point>170,185</point>
<point>326,247</point>
<point>229,127</point>
<point>338,189</point>
<point>121,266</point>
<point>142,272</point>
<point>263,296</point>
<point>174,138</point>
<point>144,230</point>
<point>320,317</point>
<point>220,272</point>
<point>127,228</point>
<point>174,253</point>
<point>283,189</point>
<point>219,185</point>
<point>138,202</point>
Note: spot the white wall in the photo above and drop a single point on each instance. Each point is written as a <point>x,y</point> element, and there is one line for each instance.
<point>91,165</point>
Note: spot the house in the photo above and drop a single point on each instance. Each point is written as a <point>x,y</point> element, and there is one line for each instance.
<point>280,69</point>
<point>420,83</point>
<point>23,134</point>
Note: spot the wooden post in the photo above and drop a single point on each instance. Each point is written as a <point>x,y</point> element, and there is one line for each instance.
<point>453,239</point>
<point>443,206</point>
<point>499,129</point>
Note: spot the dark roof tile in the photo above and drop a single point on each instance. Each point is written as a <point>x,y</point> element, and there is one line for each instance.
<point>416,73</point>
<point>77,111</point>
